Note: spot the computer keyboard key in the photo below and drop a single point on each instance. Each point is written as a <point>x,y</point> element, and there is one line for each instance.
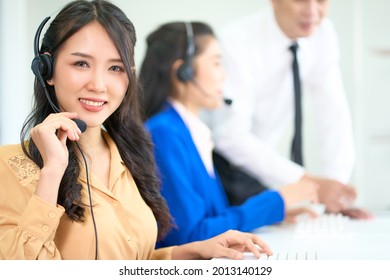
<point>324,226</point>
<point>263,256</point>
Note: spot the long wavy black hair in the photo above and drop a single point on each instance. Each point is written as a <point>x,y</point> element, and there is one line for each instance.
<point>125,125</point>
<point>165,45</point>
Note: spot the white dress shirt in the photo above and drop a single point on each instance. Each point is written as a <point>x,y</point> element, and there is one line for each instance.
<point>258,64</point>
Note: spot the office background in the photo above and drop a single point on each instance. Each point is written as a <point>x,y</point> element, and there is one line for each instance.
<point>364,38</point>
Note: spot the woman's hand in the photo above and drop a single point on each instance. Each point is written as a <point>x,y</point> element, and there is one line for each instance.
<point>230,244</point>
<point>303,190</point>
<point>50,138</point>
<point>293,213</point>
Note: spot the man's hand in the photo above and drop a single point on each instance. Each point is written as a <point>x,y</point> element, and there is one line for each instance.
<point>357,213</point>
<point>338,197</point>
<point>335,195</point>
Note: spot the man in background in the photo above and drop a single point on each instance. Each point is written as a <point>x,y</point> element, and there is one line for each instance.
<point>267,93</point>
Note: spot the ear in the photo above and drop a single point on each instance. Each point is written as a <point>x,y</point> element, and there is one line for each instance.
<point>50,82</point>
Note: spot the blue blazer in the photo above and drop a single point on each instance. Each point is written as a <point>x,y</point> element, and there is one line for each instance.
<point>196,200</point>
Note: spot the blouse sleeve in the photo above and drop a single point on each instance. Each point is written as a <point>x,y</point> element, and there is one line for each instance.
<point>27,223</point>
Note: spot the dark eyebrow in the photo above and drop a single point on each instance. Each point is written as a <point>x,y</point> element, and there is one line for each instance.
<point>84,55</point>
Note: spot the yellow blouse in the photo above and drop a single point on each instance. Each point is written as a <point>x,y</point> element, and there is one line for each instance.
<point>30,228</point>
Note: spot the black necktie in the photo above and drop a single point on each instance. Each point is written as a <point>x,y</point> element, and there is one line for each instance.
<point>296,147</point>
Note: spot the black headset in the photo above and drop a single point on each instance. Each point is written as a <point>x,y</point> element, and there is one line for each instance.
<point>42,67</point>
<point>42,64</point>
<point>185,72</point>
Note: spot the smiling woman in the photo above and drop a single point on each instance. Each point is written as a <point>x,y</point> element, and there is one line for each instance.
<point>65,194</point>
<point>90,67</point>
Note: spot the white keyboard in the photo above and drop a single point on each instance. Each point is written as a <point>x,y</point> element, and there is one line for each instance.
<point>290,256</point>
<point>282,256</point>
<point>324,226</point>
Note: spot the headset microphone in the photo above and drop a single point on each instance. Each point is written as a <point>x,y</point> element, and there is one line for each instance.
<point>42,67</point>
<point>228,101</point>
<point>81,124</point>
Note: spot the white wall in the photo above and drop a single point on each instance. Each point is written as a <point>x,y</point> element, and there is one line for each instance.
<point>362,27</point>
<point>15,83</point>
<point>373,106</point>
<point>148,14</point>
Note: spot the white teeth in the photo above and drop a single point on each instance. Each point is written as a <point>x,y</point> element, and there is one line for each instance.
<point>92,103</point>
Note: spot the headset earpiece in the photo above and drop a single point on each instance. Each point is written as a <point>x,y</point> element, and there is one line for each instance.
<point>185,72</point>
<point>43,65</point>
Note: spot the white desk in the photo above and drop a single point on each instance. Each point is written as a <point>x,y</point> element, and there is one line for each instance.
<point>370,240</point>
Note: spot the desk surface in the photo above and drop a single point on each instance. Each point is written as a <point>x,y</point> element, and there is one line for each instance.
<point>369,240</point>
